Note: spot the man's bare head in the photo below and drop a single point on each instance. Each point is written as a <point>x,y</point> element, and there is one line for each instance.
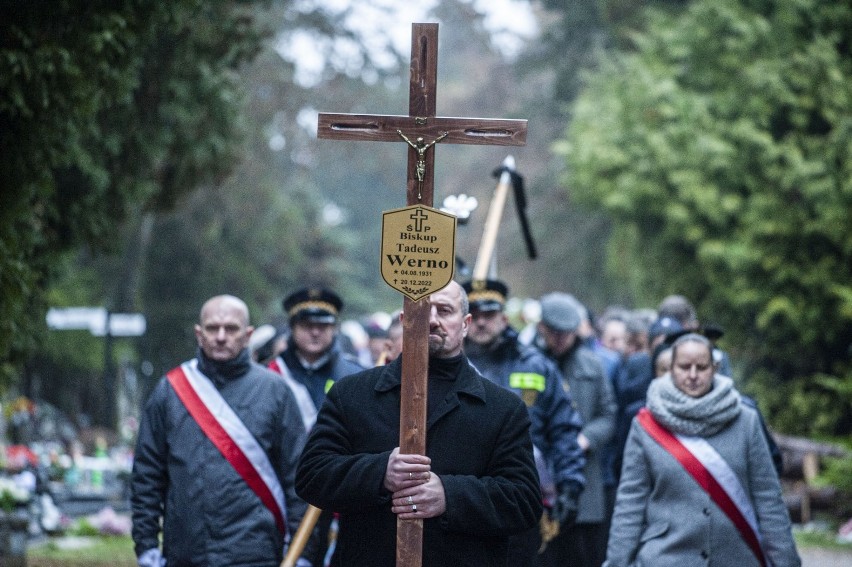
<point>223,328</point>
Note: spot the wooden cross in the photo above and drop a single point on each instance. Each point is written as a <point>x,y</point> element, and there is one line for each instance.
<point>422,131</point>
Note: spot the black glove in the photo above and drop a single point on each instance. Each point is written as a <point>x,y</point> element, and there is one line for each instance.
<point>566,506</point>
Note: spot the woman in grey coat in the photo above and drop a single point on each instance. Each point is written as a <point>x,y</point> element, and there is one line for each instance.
<point>697,484</point>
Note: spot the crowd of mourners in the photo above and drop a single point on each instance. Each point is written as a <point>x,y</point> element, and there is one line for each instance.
<point>553,438</point>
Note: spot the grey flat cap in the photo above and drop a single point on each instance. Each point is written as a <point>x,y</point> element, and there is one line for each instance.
<point>560,311</point>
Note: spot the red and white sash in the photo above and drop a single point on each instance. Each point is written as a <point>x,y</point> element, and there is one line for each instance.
<point>307,408</point>
<point>230,435</point>
<point>714,475</point>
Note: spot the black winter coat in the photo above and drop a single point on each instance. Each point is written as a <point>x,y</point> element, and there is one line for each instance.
<point>480,447</point>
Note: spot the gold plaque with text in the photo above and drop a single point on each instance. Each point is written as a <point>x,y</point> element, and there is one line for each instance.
<point>418,250</point>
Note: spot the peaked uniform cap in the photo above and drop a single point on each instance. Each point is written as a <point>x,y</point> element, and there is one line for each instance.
<point>317,305</point>
<point>486,295</point>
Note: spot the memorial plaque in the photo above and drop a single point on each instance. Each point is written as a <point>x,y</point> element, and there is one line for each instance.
<point>418,250</point>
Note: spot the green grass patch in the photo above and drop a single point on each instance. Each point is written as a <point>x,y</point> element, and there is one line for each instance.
<point>821,539</point>
<point>99,551</point>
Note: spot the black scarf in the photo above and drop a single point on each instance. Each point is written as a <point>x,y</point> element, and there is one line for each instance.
<point>221,372</point>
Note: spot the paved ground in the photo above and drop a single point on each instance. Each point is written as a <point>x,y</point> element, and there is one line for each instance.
<point>818,557</point>
<point>811,557</point>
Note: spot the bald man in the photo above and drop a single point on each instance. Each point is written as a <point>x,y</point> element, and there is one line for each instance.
<point>216,455</point>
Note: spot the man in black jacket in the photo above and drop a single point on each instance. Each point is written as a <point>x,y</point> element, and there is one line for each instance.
<point>216,455</point>
<point>477,484</point>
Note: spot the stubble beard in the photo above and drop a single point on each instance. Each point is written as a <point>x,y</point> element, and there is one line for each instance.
<point>436,345</point>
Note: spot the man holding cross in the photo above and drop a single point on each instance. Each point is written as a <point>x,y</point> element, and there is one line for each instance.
<point>475,486</point>
<point>422,125</point>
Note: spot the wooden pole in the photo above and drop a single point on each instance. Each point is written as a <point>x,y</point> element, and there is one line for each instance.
<point>412,417</point>
<point>492,223</point>
<point>297,545</point>
<point>422,90</point>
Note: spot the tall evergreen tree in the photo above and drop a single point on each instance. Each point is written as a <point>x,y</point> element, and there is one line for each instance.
<point>108,109</point>
<point>720,145</point>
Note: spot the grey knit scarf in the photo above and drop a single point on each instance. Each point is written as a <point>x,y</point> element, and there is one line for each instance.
<point>686,415</point>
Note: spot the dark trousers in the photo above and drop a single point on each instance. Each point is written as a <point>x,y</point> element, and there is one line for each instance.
<point>610,492</point>
<point>581,545</point>
<point>523,547</point>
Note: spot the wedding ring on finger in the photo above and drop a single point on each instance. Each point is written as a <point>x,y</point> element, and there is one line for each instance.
<point>414,508</point>
<point>411,476</point>
<point>410,500</point>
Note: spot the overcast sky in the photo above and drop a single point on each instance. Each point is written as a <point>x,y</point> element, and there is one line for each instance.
<point>386,24</point>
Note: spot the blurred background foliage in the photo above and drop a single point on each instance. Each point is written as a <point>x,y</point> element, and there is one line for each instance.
<point>719,143</point>
<point>156,154</point>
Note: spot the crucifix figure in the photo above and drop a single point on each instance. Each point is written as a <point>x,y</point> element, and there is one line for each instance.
<point>420,146</point>
<point>420,124</point>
